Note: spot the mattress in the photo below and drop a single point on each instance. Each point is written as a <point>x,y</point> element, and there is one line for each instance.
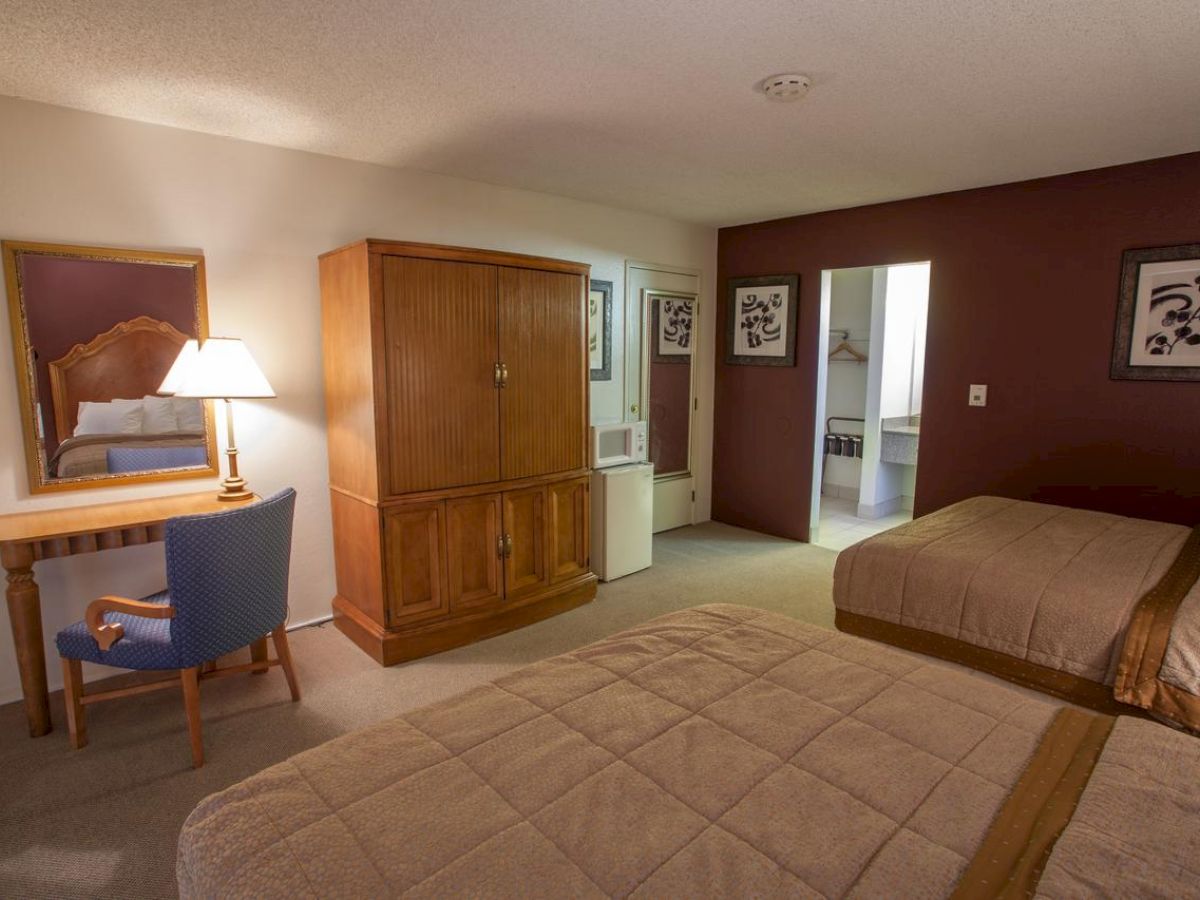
<point>1099,609</point>
<point>719,751</point>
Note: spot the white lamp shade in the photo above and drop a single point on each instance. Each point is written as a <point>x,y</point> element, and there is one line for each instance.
<point>179,368</point>
<point>223,369</point>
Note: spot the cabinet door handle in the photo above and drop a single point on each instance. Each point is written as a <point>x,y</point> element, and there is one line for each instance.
<point>507,546</point>
<point>500,547</point>
<point>503,375</point>
<point>496,373</point>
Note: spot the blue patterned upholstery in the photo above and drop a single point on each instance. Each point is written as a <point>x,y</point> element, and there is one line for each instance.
<point>227,577</point>
<point>143,459</point>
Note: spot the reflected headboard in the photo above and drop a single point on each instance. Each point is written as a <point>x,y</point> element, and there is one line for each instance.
<point>128,361</point>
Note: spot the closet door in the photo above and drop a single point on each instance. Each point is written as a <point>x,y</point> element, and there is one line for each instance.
<point>569,521</point>
<point>474,551</point>
<point>524,542</point>
<point>543,407</point>
<point>440,391</point>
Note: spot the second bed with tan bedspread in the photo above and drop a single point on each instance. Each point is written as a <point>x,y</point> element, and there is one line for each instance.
<point>720,751</point>
<point>1092,607</point>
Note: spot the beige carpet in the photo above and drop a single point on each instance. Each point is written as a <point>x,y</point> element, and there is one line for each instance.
<point>102,822</point>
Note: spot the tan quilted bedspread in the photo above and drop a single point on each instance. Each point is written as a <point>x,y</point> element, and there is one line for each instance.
<point>1046,584</point>
<point>719,751</point>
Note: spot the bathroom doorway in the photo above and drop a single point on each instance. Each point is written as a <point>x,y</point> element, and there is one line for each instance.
<point>870,378</point>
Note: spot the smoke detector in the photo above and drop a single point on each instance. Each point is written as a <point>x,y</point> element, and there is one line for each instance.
<point>785,88</point>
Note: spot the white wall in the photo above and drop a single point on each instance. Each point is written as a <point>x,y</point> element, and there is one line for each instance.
<point>261,215</point>
<point>846,390</point>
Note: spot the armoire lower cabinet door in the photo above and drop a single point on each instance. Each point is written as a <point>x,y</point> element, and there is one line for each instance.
<point>524,542</point>
<point>474,551</point>
<point>414,562</point>
<point>569,523</point>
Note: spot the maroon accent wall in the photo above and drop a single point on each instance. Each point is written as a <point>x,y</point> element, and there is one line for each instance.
<point>1023,298</point>
<point>70,301</point>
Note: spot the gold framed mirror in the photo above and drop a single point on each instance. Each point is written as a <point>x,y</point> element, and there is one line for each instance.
<point>95,330</point>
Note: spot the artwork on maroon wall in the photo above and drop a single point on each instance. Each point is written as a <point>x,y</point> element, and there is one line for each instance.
<point>670,328</point>
<point>1158,317</point>
<point>761,326</point>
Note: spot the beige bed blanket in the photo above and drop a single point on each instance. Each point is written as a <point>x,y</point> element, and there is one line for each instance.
<point>720,751</point>
<point>1047,585</point>
<point>77,457</point>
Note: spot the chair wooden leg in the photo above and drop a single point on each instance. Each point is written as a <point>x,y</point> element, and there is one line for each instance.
<point>284,652</point>
<point>73,696</point>
<point>258,653</point>
<point>191,703</point>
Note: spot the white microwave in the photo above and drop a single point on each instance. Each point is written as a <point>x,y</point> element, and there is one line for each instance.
<point>618,444</point>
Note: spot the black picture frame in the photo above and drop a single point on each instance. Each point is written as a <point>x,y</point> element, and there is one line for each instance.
<point>681,359</point>
<point>604,373</point>
<point>734,320</point>
<point>1132,261</point>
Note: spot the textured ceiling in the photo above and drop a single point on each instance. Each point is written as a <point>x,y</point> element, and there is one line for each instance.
<point>646,104</point>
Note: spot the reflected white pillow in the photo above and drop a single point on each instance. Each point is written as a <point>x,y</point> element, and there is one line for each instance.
<point>114,417</point>
<point>189,414</point>
<point>158,415</point>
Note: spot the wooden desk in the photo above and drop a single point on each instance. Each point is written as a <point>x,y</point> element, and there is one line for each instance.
<point>26,538</point>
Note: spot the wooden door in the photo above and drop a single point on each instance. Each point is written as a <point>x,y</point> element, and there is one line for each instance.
<point>568,529</point>
<point>474,551</point>
<point>543,407</point>
<point>414,562</point>
<point>440,325</point>
<point>525,542</point>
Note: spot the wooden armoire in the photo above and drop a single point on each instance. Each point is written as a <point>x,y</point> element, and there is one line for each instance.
<point>456,389</point>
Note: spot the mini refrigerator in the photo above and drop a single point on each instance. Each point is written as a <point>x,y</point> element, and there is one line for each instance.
<point>622,516</point>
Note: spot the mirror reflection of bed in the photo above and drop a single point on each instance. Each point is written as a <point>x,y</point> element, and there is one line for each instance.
<point>106,417</point>
<point>97,332</point>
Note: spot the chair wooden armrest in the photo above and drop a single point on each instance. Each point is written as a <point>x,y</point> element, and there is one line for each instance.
<point>108,634</point>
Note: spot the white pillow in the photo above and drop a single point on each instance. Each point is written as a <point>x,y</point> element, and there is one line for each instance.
<point>189,414</point>
<point>158,415</point>
<point>114,417</point>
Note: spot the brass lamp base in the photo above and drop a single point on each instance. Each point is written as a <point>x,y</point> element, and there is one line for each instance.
<point>233,488</point>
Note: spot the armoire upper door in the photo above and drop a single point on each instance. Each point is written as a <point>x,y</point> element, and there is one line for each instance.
<point>543,405</point>
<point>440,323</point>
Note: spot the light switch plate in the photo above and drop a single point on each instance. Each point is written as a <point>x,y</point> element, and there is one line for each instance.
<point>978,395</point>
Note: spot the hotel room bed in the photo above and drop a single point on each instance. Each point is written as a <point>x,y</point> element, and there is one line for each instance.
<point>719,751</point>
<point>1098,609</point>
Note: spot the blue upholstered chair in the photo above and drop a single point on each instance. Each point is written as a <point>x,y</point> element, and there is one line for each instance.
<point>227,588</point>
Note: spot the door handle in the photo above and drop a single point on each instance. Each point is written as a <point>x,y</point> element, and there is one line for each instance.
<point>496,376</point>
<point>507,546</point>
<point>503,375</point>
<point>500,548</point>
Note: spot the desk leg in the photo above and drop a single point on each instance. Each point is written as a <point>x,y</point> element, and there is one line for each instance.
<point>25,615</point>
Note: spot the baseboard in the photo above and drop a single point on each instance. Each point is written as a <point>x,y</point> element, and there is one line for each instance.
<point>390,646</point>
<point>880,509</point>
<point>840,491</point>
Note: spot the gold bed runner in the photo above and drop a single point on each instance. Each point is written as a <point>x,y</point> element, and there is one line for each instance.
<point>1146,642</point>
<point>1065,685</point>
<point>1013,854</point>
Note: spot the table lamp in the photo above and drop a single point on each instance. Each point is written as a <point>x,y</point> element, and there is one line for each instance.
<point>219,369</point>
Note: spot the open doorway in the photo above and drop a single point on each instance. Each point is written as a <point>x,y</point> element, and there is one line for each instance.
<point>870,378</point>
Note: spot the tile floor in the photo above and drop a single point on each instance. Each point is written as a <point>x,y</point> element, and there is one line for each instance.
<point>840,527</point>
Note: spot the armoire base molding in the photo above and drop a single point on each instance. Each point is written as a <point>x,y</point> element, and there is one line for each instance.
<point>390,646</point>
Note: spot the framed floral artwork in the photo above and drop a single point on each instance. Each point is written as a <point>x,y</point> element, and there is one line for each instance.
<point>762,321</point>
<point>600,329</point>
<point>1158,315</point>
<point>671,319</point>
